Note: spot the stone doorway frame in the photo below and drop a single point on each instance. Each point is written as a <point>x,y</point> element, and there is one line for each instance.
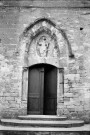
<point>60,85</point>
<point>31,31</point>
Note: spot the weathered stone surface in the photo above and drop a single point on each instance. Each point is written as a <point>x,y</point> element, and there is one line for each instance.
<point>49,3</point>
<point>13,22</point>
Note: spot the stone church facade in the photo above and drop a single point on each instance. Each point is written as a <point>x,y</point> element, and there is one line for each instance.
<point>44,34</point>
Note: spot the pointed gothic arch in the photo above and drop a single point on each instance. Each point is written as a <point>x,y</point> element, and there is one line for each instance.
<point>43,42</point>
<point>40,27</point>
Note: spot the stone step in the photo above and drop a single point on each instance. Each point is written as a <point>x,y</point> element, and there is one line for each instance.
<point>85,127</point>
<point>41,123</point>
<point>43,117</point>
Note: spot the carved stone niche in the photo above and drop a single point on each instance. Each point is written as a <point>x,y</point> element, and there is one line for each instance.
<point>44,49</point>
<point>46,46</point>
<point>43,46</point>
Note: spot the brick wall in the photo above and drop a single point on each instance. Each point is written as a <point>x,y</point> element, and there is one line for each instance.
<point>76,24</point>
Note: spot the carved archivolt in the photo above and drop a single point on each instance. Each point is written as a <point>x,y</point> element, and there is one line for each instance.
<point>43,43</point>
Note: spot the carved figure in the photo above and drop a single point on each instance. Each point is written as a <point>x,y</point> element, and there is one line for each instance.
<point>43,46</point>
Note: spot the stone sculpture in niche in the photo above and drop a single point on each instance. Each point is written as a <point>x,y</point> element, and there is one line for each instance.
<point>43,46</point>
<point>55,51</point>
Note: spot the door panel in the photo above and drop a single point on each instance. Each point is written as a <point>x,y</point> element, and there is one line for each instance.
<point>50,90</point>
<point>35,87</point>
<point>42,90</point>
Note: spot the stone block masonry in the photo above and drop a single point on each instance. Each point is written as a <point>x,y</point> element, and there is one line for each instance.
<point>13,22</point>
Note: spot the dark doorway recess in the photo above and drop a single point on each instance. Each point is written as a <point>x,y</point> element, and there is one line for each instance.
<point>42,90</point>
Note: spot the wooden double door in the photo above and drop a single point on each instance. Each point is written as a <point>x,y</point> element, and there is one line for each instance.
<point>42,90</point>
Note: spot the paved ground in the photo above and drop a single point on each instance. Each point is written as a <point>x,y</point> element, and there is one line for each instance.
<point>86,127</point>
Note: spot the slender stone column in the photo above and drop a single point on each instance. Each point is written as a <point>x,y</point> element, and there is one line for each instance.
<point>61,84</point>
<point>24,83</point>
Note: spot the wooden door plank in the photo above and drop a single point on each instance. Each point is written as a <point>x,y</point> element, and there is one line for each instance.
<point>50,91</point>
<point>35,87</point>
<point>41,89</point>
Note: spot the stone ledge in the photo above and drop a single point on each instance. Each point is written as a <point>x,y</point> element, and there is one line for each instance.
<point>43,117</point>
<point>84,128</point>
<point>41,123</point>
